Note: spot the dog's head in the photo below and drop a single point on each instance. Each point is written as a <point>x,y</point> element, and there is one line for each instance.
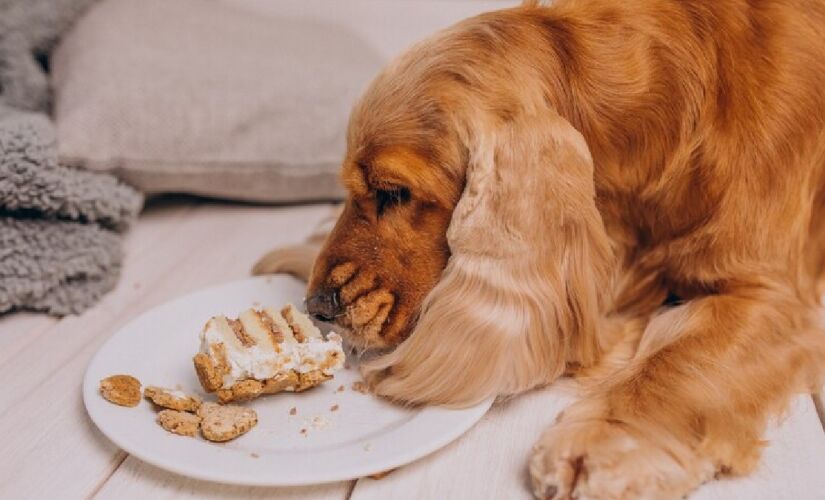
<point>470,229</point>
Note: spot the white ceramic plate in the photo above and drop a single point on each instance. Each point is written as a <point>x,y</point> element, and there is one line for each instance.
<point>363,436</point>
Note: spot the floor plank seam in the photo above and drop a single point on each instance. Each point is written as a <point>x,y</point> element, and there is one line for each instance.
<point>120,457</point>
<point>820,408</point>
<point>351,488</point>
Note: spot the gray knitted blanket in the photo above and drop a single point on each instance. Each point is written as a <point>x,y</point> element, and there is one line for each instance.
<point>60,228</point>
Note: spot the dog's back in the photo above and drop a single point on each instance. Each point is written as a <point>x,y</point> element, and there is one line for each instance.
<point>706,121</point>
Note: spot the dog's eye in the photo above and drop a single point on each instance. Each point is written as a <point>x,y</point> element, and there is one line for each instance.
<point>388,198</point>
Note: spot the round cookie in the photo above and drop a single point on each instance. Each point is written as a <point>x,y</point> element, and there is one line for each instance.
<point>123,390</point>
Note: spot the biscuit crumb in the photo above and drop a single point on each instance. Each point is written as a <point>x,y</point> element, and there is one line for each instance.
<point>333,408</point>
<point>123,390</point>
<point>340,388</point>
<point>225,422</point>
<point>254,455</point>
<point>359,386</point>
<point>172,399</point>
<point>304,432</point>
<point>293,411</point>
<point>179,422</point>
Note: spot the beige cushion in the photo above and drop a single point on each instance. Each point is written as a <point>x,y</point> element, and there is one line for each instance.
<point>207,98</point>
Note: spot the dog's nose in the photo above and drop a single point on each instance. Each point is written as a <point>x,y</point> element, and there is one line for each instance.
<point>324,305</point>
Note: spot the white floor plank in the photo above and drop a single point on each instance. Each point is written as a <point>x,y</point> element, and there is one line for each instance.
<point>140,481</point>
<point>18,329</point>
<point>489,462</point>
<point>51,430</point>
<point>792,465</point>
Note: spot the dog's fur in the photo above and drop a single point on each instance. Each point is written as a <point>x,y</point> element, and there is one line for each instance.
<point>676,272</point>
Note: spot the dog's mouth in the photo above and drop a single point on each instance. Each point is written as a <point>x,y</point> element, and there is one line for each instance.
<point>367,317</point>
<point>362,322</point>
<point>357,303</point>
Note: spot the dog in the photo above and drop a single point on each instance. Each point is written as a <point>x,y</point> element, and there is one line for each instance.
<point>629,192</point>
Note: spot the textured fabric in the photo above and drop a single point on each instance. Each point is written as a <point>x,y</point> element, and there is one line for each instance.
<point>57,267</point>
<point>60,246</point>
<point>28,30</point>
<point>202,97</point>
<point>32,181</point>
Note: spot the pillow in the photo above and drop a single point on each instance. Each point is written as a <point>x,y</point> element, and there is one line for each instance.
<point>202,97</point>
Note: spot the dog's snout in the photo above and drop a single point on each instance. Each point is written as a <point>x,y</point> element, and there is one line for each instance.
<point>324,305</point>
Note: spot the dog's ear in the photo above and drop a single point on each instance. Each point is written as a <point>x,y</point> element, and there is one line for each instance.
<point>520,298</point>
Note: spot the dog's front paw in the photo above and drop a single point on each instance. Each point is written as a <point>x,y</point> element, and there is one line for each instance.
<point>596,459</point>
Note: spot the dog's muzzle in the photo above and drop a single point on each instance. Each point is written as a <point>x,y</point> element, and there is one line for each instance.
<point>324,305</point>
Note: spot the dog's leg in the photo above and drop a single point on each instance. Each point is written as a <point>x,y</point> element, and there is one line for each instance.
<point>296,260</point>
<point>691,404</point>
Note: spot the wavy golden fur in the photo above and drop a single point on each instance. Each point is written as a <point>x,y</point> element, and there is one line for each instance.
<point>630,192</point>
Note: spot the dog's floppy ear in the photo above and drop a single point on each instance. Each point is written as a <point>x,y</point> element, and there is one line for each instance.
<point>520,297</point>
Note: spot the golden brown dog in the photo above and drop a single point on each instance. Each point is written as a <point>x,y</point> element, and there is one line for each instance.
<point>630,191</point>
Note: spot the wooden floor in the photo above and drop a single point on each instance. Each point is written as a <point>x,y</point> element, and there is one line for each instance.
<point>50,449</point>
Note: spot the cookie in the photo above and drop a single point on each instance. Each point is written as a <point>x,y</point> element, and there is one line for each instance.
<point>172,399</point>
<point>123,390</point>
<point>179,422</point>
<point>225,422</point>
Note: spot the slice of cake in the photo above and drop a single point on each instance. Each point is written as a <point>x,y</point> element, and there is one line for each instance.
<point>264,352</point>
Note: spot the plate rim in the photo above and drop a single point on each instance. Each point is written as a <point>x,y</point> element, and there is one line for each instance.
<point>458,421</point>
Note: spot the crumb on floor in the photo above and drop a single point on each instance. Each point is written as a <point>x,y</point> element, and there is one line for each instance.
<point>254,455</point>
<point>334,408</point>
<point>293,411</point>
<point>359,386</point>
<point>340,388</point>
